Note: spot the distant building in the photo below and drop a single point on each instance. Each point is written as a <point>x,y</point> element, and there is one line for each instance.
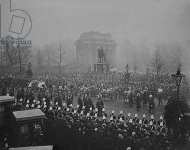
<point>88,47</point>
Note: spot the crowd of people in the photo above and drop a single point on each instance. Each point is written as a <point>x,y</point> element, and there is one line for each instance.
<point>89,125</point>
<point>83,126</point>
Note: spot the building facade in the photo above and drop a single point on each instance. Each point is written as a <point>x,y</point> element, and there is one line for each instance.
<point>88,46</point>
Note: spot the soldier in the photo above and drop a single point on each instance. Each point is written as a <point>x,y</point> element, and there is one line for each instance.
<point>128,117</point>
<point>152,119</point>
<point>151,104</point>
<point>121,115</point>
<point>80,103</point>
<point>136,119</point>
<point>160,91</point>
<point>138,101</point>
<point>144,97</point>
<point>144,120</point>
<point>112,115</point>
<point>99,106</point>
<point>69,99</point>
<point>88,104</point>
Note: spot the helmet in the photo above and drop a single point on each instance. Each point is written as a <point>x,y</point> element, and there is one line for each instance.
<point>121,112</point>
<point>128,148</point>
<point>136,115</point>
<point>129,114</point>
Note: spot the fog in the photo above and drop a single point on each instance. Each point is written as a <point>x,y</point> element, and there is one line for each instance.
<point>139,27</point>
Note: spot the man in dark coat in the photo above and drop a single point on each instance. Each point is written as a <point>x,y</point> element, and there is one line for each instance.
<point>99,106</point>
<point>80,104</point>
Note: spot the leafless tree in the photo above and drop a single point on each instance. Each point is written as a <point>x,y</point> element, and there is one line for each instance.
<point>157,62</point>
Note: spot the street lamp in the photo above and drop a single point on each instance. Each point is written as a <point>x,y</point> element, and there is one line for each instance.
<point>178,78</point>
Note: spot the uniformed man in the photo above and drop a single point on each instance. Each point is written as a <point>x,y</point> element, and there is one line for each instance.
<point>99,106</point>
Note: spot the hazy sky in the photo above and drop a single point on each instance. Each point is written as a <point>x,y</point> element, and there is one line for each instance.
<point>135,20</point>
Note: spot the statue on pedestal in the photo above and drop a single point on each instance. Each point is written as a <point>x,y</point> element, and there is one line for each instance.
<point>101,56</point>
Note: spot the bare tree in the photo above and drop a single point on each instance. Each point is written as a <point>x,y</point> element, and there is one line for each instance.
<point>40,59</point>
<point>135,67</point>
<point>157,62</point>
<point>14,53</point>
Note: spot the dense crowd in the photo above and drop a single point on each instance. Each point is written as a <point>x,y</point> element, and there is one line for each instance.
<point>89,125</point>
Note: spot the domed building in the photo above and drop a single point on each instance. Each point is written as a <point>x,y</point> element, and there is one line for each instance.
<point>95,51</point>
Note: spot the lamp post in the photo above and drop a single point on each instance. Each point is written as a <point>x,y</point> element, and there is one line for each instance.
<point>178,79</point>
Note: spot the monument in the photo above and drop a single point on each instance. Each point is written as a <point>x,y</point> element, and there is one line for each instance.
<point>92,46</point>
<point>101,66</point>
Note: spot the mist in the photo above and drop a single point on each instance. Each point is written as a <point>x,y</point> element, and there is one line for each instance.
<point>138,27</point>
